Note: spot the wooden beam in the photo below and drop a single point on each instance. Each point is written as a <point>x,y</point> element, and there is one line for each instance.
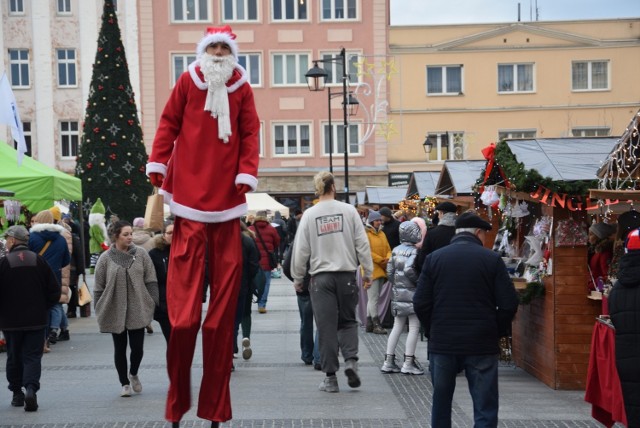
<point>622,195</point>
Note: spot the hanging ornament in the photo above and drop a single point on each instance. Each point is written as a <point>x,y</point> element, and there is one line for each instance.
<point>127,182</point>
<point>112,156</point>
<point>89,165</point>
<point>101,163</point>
<point>96,130</point>
<point>113,144</point>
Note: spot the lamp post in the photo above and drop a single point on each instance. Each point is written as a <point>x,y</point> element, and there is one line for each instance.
<point>316,79</point>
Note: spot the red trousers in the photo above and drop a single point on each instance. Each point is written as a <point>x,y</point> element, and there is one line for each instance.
<point>184,301</point>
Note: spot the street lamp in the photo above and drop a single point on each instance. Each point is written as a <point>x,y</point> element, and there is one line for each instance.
<point>428,142</point>
<point>352,109</point>
<point>316,79</point>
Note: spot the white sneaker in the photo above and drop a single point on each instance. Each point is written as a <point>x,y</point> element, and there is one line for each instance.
<point>126,391</point>
<point>246,348</point>
<point>135,383</point>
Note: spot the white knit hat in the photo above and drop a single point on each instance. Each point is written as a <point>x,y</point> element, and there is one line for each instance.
<point>216,35</point>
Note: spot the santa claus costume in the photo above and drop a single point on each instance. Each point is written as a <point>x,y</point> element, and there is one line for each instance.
<point>206,148</point>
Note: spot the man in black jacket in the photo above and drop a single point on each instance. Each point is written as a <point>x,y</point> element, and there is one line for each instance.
<point>440,235</point>
<point>466,302</point>
<point>28,288</point>
<point>625,315</point>
<point>390,227</point>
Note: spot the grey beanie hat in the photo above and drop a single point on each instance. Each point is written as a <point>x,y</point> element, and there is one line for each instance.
<point>373,216</point>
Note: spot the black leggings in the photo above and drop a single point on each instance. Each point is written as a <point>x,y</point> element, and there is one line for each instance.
<point>136,342</point>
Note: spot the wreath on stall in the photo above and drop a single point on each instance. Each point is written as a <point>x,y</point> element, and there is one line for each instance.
<point>524,180</point>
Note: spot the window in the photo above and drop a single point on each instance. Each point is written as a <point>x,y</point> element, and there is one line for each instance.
<point>447,145</point>
<point>240,10</point>
<point>26,130</point>
<point>591,131</point>
<point>339,9</point>
<point>251,63</point>
<point>443,80</point>
<point>190,10</point>
<point>516,134</point>
<point>115,5</point>
<point>515,78</point>
<point>19,67</point>
<point>335,136</point>
<point>289,10</point>
<point>590,75</point>
<point>69,138</point>
<point>67,68</point>
<point>291,139</point>
<point>64,7</point>
<point>16,7</point>
<point>334,68</point>
<point>180,62</point>
<point>289,69</point>
<point>261,143</point>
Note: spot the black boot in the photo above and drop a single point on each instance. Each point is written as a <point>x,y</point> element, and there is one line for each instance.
<point>215,424</point>
<point>18,398</point>
<point>30,400</point>
<point>175,424</point>
<point>377,328</point>
<point>369,327</point>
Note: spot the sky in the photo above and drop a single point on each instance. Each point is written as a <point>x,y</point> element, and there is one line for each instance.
<point>426,12</point>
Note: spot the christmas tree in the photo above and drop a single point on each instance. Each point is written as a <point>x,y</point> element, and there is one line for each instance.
<point>112,158</point>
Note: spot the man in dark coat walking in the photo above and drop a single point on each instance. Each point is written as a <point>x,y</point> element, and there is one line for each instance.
<point>28,288</point>
<point>624,309</point>
<point>390,227</point>
<point>466,302</point>
<point>440,235</point>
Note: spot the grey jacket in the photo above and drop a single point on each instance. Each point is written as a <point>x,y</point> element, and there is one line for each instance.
<point>400,269</point>
<point>125,293</point>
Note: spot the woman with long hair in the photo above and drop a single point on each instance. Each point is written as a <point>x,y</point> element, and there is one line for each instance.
<point>125,295</point>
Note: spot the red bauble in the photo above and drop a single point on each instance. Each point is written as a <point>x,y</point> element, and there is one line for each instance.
<point>112,156</point>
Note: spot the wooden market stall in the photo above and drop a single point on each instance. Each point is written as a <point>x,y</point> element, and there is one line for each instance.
<point>552,334</point>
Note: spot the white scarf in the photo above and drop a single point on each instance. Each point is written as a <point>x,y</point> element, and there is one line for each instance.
<point>217,71</point>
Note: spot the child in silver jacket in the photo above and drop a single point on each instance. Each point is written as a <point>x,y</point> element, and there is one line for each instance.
<point>403,278</point>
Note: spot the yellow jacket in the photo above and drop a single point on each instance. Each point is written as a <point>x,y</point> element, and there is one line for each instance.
<point>380,250</point>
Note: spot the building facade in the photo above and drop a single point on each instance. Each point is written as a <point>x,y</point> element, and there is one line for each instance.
<point>48,51</point>
<point>466,86</point>
<point>279,41</point>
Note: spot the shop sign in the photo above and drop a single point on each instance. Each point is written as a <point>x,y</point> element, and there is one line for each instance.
<point>563,200</point>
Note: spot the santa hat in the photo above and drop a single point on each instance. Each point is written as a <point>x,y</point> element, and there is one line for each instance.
<point>216,35</point>
<point>98,207</point>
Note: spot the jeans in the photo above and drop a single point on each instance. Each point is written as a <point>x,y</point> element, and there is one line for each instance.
<point>57,317</point>
<point>24,358</point>
<point>308,345</point>
<point>263,299</point>
<point>482,376</point>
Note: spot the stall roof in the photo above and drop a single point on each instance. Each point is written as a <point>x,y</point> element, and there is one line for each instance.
<point>4,192</point>
<point>361,198</point>
<point>385,195</point>
<point>423,183</point>
<point>563,159</point>
<point>458,177</point>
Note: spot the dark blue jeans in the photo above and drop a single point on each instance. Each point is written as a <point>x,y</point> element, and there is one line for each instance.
<point>308,346</point>
<point>24,358</point>
<point>482,376</point>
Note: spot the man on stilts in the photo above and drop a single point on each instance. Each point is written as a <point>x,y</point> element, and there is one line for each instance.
<point>205,158</point>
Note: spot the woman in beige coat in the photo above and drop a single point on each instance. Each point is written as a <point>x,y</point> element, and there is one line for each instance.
<point>125,296</point>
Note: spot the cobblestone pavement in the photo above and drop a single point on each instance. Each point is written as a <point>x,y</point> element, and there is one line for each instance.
<point>273,389</point>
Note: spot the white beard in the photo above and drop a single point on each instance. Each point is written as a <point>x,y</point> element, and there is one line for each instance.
<point>217,71</point>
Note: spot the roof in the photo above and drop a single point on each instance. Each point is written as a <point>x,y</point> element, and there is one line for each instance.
<point>385,195</point>
<point>563,159</point>
<point>423,183</point>
<point>458,177</point>
<point>4,192</point>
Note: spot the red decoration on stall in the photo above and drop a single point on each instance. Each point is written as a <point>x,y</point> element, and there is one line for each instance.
<point>489,154</point>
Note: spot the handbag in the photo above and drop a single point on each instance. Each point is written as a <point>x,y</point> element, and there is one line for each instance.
<point>154,212</point>
<point>84,296</point>
<point>273,258</point>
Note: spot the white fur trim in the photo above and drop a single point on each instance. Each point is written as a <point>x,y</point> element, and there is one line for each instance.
<point>46,226</point>
<point>156,167</point>
<point>215,38</point>
<point>247,179</point>
<point>202,85</point>
<point>183,211</point>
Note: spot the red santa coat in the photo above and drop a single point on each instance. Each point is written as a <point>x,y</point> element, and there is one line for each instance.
<point>200,170</point>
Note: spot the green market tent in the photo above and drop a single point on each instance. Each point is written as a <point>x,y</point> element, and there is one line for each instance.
<point>34,184</point>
